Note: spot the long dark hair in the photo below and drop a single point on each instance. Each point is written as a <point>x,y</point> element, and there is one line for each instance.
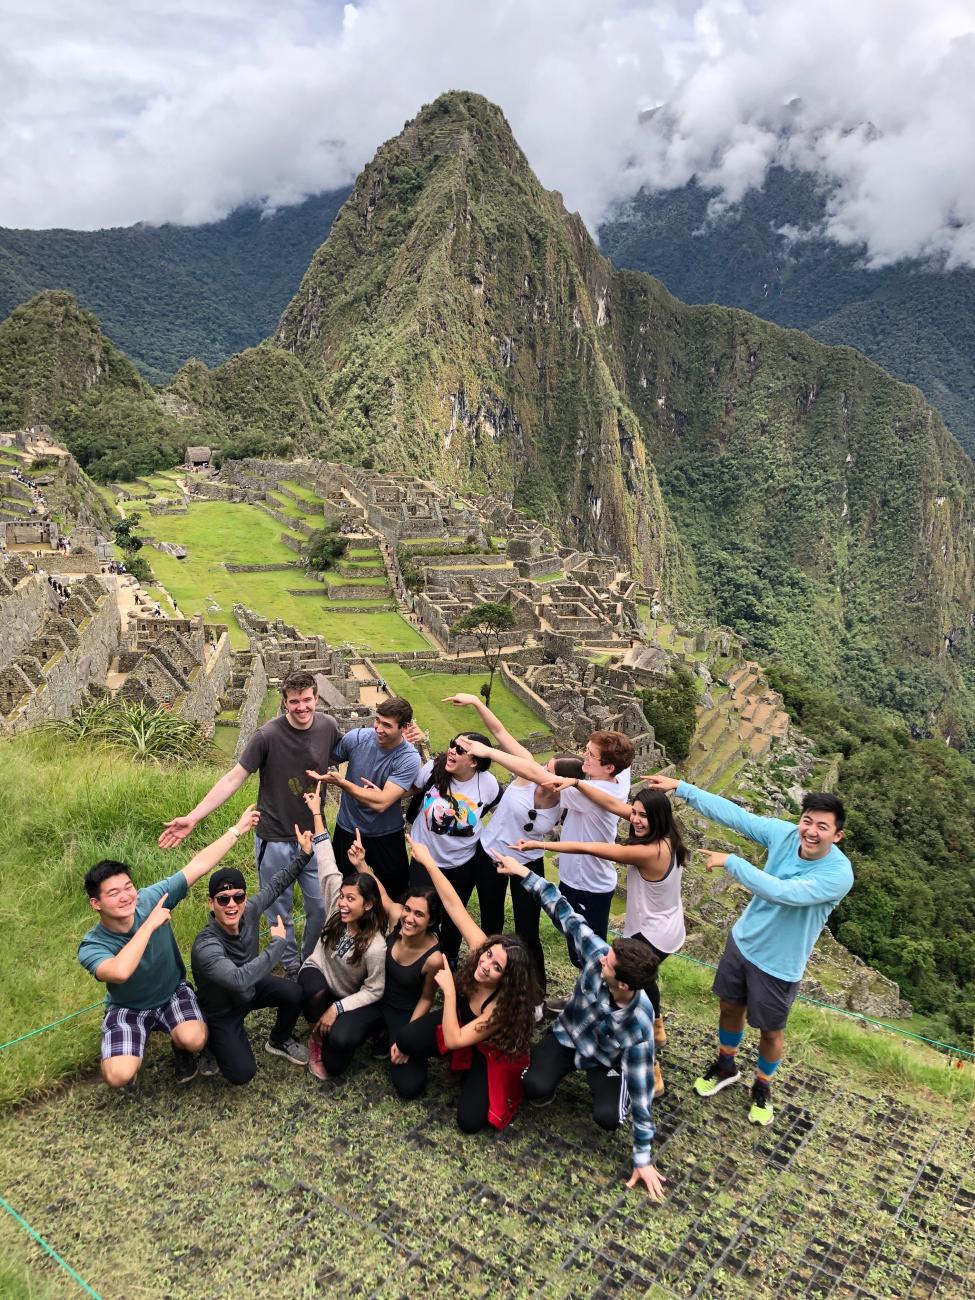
<point>440,777</point>
<point>661,823</point>
<point>372,922</point>
<point>434,907</point>
<point>519,993</point>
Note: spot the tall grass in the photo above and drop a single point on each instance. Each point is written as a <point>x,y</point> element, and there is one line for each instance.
<point>149,733</point>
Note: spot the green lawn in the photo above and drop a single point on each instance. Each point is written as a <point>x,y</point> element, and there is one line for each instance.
<point>215,532</point>
<point>306,494</point>
<point>426,691</point>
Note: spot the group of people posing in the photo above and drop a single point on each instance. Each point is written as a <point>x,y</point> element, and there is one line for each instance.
<point>386,911</point>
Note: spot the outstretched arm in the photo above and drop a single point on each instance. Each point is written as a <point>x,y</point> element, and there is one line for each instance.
<point>829,883</point>
<point>208,858</point>
<point>602,798</point>
<point>471,932</point>
<point>763,830</point>
<point>357,857</point>
<point>368,794</point>
<point>493,723</point>
<point>176,830</point>
<point>558,907</point>
<point>642,856</point>
<point>526,767</point>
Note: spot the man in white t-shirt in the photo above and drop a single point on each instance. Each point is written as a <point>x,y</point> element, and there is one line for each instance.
<point>589,883</point>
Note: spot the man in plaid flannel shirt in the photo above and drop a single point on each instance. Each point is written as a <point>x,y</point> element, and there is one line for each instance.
<point>606,1028</point>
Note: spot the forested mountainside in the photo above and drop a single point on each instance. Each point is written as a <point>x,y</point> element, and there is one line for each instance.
<point>915,320</point>
<point>458,322</point>
<point>168,293</point>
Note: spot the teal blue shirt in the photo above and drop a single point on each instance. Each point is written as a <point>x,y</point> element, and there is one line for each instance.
<point>791,898</point>
<point>161,970</point>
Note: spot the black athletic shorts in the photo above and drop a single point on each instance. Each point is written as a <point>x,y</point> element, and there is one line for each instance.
<point>768,999</point>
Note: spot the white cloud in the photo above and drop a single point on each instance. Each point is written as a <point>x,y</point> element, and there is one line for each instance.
<point>183,109</point>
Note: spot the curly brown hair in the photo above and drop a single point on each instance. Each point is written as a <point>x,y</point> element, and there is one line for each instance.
<point>519,993</point>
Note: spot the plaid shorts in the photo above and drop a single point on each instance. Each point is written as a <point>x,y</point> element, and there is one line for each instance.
<point>124,1031</point>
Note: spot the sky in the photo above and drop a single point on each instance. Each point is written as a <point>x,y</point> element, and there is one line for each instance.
<point>119,111</point>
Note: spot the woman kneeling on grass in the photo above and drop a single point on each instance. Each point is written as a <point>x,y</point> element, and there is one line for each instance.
<point>413,958</point>
<point>344,977</point>
<point>654,856</point>
<point>487,1017</point>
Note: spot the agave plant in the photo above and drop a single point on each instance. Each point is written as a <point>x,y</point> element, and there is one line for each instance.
<point>151,733</point>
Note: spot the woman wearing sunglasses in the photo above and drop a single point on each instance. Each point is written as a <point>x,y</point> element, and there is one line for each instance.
<point>413,958</point>
<point>452,795</point>
<point>486,1022</point>
<point>654,857</point>
<point>344,976</point>
<point>525,809</point>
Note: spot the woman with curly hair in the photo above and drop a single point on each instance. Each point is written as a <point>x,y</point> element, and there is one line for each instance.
<point>451,797</point>
<point>487,1017</point>
<point>654,856</point>
<point>345,975</point>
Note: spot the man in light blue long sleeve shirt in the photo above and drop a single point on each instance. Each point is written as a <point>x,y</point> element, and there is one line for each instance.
<point>765,957</point>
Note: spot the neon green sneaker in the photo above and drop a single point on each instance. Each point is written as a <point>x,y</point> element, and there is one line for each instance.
<point>722,1074</point>
<point>761,1111</point>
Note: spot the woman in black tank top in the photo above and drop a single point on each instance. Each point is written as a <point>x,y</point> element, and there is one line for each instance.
<point>413,958</point>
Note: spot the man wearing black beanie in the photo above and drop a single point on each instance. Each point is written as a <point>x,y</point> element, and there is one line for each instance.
<point>233,977</point>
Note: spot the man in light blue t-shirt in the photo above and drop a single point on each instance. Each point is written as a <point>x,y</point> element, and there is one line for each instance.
<point>382,766</point>
<point>765,956</point>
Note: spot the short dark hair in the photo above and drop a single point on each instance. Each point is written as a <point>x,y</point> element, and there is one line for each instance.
<point>96,876</point>
<point>615,749</point>
<point>400,710</point>
<point>636,963</point>
<point>821,801</point>
<point>297,683</point>
<point>568,765</point>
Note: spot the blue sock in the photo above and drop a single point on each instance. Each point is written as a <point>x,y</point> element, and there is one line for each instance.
<point>729,1041</point>
<point>765,1069</point>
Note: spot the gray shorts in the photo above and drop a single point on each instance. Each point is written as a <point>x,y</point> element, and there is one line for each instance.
<point>768,999</point>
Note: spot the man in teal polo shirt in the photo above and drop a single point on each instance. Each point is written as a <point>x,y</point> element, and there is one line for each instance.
<point>133,950</point>
<point>765,955</point>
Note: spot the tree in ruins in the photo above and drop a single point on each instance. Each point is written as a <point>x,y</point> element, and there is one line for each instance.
<point>487,624</point>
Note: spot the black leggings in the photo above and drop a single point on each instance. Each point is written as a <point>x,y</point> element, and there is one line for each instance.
<point>463,879</point>
<point>409,1080</point>
<point>351,1028</point>
<point>653,990</point>
<point>551,1062</point>
<point>418,1039</point>
<point>228,1036</point>
<point>527,911</point>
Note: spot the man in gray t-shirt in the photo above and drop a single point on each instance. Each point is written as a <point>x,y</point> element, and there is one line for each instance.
<point>382,766</point>
<point>282,751</point>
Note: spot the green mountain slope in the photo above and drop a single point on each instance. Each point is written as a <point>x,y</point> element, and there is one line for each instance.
<point>459,323</point>
<point>916,322</point>
<point>166,293</point>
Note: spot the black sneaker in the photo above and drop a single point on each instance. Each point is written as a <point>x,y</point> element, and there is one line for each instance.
<point>761,1109</point>
<point>206,1063</point>
<point>185,1065</point>
<point>555,1006</point>
<point>722,1074</point>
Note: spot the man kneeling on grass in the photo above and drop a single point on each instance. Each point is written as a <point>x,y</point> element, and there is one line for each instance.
<point>233,977</point>
<point>133,951</point>
<point>606,1028</point>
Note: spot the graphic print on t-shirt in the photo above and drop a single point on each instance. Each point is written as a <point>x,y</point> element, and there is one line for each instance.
<point>456,816</point>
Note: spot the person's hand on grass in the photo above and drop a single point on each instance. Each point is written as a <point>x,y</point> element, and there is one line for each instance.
<point>651,1180</point>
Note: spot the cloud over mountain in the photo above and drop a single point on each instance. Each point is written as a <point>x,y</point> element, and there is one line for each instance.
<point>184,110</point>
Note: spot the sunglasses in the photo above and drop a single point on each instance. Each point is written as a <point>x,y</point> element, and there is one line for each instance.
<point>234,896</point>
<point>532,814</point>
<point>458,749</point>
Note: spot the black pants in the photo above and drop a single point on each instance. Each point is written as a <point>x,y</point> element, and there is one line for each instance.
<point>351,1028</point>
<point>418,1039</point>
<point>527,912</point>
<point>491,889</point>
<point>228,1036</point>
<point>653,990</point>
<point>409,1080</point>
<point>594,907</point>
<point>463,879</point>
<point>386,854</point>
<point>551,1062</point>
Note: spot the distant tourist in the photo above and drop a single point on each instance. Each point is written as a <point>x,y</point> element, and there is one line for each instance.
<point>132,949</point>
<point>382,767</point>
<point>485,1025</point>
<point>606,1029</point>
<point>233,977</point>
<point>765,955</point>
<point>281,751</point>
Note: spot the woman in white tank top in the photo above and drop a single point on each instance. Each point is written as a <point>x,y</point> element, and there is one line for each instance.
<point>654,857</point>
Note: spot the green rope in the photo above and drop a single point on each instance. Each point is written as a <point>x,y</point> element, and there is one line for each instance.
<point>50,1249</point>
<point>951,1048</point>
<point>53,1025</point>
